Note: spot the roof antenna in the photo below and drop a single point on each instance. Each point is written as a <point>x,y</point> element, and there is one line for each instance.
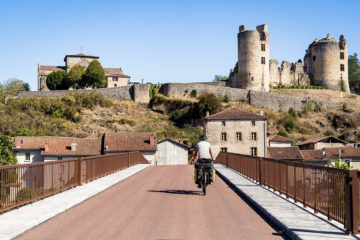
<point>81,49</point>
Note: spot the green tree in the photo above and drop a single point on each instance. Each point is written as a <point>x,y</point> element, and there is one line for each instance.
<point>354,73</point>
<point>74,77</point>
<point>55,81</point>
<point>2,94</point>
<point>208,102</point>
<point>340,165</point>
<point>94,75</point>
<point>7,156</point>
<point>13,86</point>
<point>219,78</point>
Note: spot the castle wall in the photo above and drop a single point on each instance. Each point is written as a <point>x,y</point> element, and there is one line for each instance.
<point>286,74</point>
<point>274,72</point>
<point>253,59</point>
<point>323,63</point>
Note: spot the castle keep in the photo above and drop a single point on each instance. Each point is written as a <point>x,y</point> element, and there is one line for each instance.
<point>325,63</point>
<point>114,76</point>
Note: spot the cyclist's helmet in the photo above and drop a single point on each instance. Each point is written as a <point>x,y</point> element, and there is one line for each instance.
<point>203,137</point>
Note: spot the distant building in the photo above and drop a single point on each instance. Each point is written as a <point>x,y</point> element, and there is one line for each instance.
<point>321,142</point>
<point>114,76</point>
<point>237,131</point>
<point>350,155</point>
<point>171,152</point>
<point>50,148</point>
<point>120,142</point>
<point>315,157</point>
<point>285,153</point>
<point>279,141</point>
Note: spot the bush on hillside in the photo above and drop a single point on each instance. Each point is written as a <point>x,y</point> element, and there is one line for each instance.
<point>208,102</point>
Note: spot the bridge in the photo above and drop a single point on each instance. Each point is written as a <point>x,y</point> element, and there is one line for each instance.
<point>121,197</point>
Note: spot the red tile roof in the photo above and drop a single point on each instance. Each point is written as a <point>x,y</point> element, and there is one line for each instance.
<point>60,146</point>
<point>235,114</point>
<point>129,141</point>
<point>313,155</point>
<point>115,72</point>
<point>345,152</point>
<point>277,138</point>
<point>51,68</point>
<point>285,153</point>
<point>175,142</point>
<point>80,55</point>
<point>320,139</point>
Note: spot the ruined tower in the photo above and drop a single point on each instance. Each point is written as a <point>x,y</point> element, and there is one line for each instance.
<point>326,63</point>
<point>253,59</point>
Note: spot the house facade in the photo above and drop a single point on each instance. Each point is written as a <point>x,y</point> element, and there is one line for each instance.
<point>114,76</point>
<point>171,152</point>
<point>279,141</point>
<point>321,142</point>
<point>237,131</point>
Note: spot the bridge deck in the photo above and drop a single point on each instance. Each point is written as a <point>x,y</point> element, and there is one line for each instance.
<point>158,203</point>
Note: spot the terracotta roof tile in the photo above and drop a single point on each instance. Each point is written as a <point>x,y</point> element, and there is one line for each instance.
<point>80,55</point>
<point>277,138</point>
<point>285,153</point>
<point>115,72</point>
<point>51,68</point>
<point>319,139</point>
<point>60,146</point>
<point>175,142</point>
<point>129,141</point>
<point>345,152</point>
<point>235,114</point>
<point>313,155</point>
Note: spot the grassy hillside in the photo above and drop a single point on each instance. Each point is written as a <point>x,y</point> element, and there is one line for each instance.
<point>82,115</point>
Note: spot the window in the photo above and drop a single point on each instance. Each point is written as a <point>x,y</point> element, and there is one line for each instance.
<point>27,157</point>
<point>253,151</point>
<point>342,56</point>
<point>60,158</point>
<point>115,79</point>
<point>238,136</point>
<point>314,58</point>
<point>223,123</point>
<point>342,67</point>
<point>224,149</point>
<point>223,136</point>
<point>262,60</point>
<point>253,136</point>
<point>253,123</point>
<point>263,47</point>
<point>115,85</point>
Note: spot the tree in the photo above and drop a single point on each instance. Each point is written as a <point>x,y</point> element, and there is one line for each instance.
<point>2,94</point>
<point>94,75</point>
<point>74,77</point>
<point>55,81</point>
<point>208,102</point>
<point>7,156</point>
<point>354,73</point>
<point>13,86</point>
<point>219,78</point>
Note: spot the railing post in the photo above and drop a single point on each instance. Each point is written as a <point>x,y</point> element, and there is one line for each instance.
<point>351,202</point>
<point>80,170</point>
<point>227,160</point>
<point>128,159</point>
<point>260,169</point>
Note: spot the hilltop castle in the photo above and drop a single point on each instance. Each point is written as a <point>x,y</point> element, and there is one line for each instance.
<point>114,76</point>
<point>325,63</point>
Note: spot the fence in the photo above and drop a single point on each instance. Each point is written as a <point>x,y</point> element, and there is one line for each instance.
<point>25,183</point>
<point>330,191</point>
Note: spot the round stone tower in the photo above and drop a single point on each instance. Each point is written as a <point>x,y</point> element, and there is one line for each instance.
<point>326,63</point>
<point>253,59</point>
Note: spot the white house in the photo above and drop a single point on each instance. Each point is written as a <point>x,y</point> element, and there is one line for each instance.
<point>279,141</point>
<point>49,148</point>
<point>171,152</point>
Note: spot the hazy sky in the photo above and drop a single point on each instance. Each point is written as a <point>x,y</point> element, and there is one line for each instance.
<point>163,41</point>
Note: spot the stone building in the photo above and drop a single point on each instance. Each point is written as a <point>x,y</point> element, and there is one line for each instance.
<point>325,63</point>
<point>321,142</point>
<point>114,76</point>
<point>237,131</point>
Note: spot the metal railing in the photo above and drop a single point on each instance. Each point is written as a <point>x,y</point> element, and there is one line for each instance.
<point>25,183</point>
<point>332,192</point>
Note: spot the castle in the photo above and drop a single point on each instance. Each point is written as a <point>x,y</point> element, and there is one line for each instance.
<point>114,76</point>
<point>325,63</point>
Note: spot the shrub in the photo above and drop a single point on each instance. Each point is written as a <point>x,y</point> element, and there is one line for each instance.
<point>330,133</point>
<point>292,112</point>
<point>282,133</point>
<point>74,77</point>
<point>342,85</point>
<point>286,121</point>
<point>94,75</point>
<point>26,193</point>
<point>318,107</point>
<point>153,91</point>
<point>176,116</point>
<point>55,81</point>
<point>127,121</point>
<point>308,108</point>
<point>226,98</point>
<point>208,102</point>
<point>194,93</point>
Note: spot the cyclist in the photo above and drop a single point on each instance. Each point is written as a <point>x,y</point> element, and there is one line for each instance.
<point>203,154</point>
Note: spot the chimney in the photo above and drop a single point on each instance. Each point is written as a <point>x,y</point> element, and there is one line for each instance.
<point>261,113</point>
<point>46,147</point>
<point>18,143</point>
<point>207,113</point>
<point>73,146</point>
<point>152,140</point>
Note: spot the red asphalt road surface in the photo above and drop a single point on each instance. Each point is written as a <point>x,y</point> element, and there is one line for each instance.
<point>160,202</point>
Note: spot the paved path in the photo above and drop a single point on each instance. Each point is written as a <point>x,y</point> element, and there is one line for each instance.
<point>158,203</point>
<point>297,222</point>
<point>18,221</point>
